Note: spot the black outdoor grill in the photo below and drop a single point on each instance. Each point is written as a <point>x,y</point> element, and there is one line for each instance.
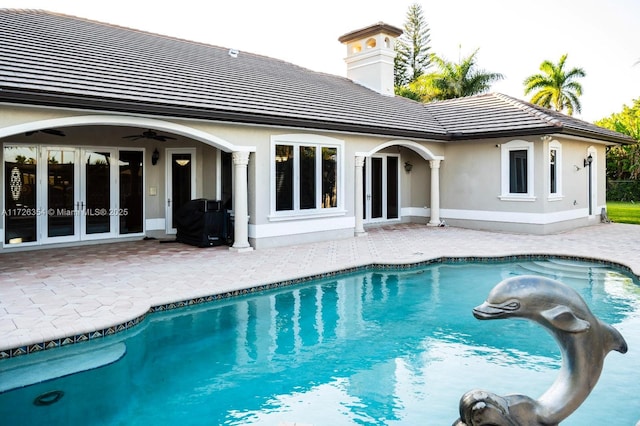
<point>203,223</point>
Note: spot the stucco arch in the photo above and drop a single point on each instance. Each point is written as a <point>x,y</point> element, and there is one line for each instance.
<point>423,151</point>
<point>123,120</point>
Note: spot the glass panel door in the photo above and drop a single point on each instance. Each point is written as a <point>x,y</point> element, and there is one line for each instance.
<point>381,188</point>
<point>130,176</point>
<point>392,187</point>
<point>227,180</point>
<point>99,212</point>
<point>181,185</point>
<point>20,194</point>
<point>376,188</point>
<point>62,205</point>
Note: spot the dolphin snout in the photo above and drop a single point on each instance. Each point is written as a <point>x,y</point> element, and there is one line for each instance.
<point>488,310</point>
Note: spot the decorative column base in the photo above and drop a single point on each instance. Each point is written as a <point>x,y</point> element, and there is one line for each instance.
<point>241,249</point>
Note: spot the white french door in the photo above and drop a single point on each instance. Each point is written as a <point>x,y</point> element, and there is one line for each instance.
<point>69,193</point>
<point>381,188</point>
<point>78,194</point>
<point>98,193</point>
<point>180,183</point>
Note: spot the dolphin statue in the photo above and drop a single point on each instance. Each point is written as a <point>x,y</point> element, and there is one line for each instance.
<point>584,341</point>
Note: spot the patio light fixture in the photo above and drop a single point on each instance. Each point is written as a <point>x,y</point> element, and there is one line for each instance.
<point>408,166</point>
<point>155,157</point>
<point>587,162</point>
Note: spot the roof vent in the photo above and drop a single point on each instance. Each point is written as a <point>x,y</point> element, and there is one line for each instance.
<point>233,53</point>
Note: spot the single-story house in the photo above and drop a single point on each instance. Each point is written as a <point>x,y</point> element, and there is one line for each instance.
<point>107,131</point>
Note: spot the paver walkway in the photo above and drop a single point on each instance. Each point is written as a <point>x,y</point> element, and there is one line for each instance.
<point>60,292</point>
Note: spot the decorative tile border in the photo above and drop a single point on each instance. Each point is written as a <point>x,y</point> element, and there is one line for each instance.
<point>50,344</point>
<point>78,338</point>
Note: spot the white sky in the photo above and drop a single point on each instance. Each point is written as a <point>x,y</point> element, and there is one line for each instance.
<point>514,37</point>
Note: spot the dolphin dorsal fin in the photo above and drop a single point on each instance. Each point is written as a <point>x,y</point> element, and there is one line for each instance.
<point>616,341</point>
<point>563,318</point>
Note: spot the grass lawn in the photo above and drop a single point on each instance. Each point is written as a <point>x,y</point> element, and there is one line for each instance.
<point>623,212</point>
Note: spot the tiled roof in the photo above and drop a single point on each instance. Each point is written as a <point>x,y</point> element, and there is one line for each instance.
<point>495,114</point>
<point>52,59</point>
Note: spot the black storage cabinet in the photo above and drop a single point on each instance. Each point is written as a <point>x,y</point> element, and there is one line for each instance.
<point>203,223</point>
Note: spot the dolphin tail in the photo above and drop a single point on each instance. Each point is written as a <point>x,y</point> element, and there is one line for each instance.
<point>615,341</point>
<point>478,407</point>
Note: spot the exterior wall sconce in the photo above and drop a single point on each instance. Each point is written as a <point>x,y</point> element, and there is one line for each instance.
<point>588,161</point>
<point>408,166</point>
<point>155,157</point>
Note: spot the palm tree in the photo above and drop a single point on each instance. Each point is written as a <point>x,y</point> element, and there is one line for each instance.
<point>454,80</point>
<point>556,88</point>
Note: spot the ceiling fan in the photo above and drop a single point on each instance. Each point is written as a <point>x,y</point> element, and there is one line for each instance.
<point>54,132</point>
<point>149,134</point>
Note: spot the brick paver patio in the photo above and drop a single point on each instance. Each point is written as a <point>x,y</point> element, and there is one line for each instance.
<point>60,292</point>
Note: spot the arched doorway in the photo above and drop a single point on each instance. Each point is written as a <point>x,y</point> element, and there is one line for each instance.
<point>378,182</point>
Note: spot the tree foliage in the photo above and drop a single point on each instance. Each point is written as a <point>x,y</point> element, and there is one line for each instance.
<point>454,79</point>
<point>623,162</point>
<point>412,48</point>
<point>556,87</point>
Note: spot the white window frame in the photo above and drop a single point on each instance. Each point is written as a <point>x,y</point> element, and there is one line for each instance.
<point>308,140</point>
<point>516,145</point>
<point>558,195</point>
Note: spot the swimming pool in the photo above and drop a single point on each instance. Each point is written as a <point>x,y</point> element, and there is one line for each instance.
<point>386,347</point>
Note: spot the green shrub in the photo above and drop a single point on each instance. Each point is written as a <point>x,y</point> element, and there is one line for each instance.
<point>623,190</point>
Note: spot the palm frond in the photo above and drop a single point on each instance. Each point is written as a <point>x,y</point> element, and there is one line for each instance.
<point>556,87</point>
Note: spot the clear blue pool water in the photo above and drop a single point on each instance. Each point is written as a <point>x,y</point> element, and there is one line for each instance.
<point>370,348</point>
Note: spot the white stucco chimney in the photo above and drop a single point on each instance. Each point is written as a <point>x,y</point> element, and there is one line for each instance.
<point>370,55</point>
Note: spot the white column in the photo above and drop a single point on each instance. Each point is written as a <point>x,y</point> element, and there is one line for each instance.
<point>435,193</point>
<point>359,212</point>
<point>240,202</point>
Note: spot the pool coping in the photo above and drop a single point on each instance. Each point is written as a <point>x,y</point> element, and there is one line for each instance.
<point>131,323</point>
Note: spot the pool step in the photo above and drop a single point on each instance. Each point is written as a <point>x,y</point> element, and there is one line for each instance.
<point>563,269</point>
<point>573,265</point>
<point>26,374</point>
